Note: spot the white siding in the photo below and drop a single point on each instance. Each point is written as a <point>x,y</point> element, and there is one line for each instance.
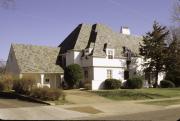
<point>100,74</point>
<point>77,57</point>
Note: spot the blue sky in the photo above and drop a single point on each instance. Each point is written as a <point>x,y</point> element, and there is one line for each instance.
<point>48,22</point>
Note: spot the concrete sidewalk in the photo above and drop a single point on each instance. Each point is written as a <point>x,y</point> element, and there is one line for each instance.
<point>39,113</point>
<point>62,112</point>
<point>116,108</point>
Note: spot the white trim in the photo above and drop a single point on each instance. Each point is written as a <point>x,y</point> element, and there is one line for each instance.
<point>42,80</point>
<point>20,76</point>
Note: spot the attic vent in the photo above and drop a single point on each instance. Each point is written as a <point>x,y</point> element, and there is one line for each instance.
<point>125,30</point>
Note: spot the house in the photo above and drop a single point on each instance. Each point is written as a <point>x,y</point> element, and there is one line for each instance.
<point>101,52</point>
<point>38,62</point>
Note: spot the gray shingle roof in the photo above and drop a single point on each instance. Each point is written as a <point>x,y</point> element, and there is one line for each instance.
<point>37,59</point>
<point>95,36</point>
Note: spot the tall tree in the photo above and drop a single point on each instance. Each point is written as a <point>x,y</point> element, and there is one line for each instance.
<point>176,12</point>
<point>153,49</point>
<point>173,59</point>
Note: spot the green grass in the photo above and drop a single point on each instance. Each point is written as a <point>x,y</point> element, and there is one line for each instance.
<point>139,94</point>
<point>164,102</point>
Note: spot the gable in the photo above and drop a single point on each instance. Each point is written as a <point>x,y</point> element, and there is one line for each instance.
<point>12,65</point>
<point>36,59</point>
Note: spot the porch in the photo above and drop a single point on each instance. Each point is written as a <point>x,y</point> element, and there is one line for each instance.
<point>51,80</point>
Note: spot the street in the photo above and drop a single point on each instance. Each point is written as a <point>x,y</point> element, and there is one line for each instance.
<point>160,115</point>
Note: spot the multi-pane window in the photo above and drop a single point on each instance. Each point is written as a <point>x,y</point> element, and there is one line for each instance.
<point>109,74</point>
<point>110,54</point>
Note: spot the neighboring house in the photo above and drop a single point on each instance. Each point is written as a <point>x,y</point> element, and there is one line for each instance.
<point>101,52</point>
<point>37,62</point>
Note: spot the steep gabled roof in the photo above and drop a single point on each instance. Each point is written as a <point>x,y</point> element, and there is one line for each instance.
<point>77,39</point>
<point>95,36</point>
<point>36,59</point>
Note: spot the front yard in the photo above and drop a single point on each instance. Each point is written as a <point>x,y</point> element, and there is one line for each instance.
<point>139,94</point>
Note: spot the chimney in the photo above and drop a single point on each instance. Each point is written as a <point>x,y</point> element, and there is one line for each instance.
<point>125,30</point>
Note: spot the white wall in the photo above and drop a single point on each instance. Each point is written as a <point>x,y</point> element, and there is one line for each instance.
<point>109,62</point>
<point>73,57</point>
<point>77,57</point>
<point>161,77</point>
<point>100,75</point>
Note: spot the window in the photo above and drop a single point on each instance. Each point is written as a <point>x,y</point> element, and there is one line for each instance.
<point>46,80</point>
<point>110,54</point>
<point>86,74</point>
<point>109,74</point>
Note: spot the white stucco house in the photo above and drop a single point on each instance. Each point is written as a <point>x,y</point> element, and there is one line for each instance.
<point>101,52</point>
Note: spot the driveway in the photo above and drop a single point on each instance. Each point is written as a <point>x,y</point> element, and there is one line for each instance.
<point>14,109</point>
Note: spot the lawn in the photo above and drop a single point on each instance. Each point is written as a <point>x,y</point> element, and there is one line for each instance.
<point>139,94</point>
<point>164,102</point>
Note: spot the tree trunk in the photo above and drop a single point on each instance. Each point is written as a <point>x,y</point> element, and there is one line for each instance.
<point>156,80</point>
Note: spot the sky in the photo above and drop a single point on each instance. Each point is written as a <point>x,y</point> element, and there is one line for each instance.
<point>48,22</point>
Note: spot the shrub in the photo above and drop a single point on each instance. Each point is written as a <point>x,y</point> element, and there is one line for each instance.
<point>73,74</point>
<point>23,86</point>
<point>134,83</point>
<point>2,86</point>
<point>173,76</point>
<point>6,83</point>
<point>166,84</point>
<point>87,86</point>
<point>47,94</point>
<point>112,84</point>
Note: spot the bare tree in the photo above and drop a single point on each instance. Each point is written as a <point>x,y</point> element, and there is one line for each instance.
<point>176,12</point>
<point>7,3</point>
<point>2,67</point>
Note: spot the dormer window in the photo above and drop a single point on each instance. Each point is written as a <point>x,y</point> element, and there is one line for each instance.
<point>110,54</point>
<point>87,51</point>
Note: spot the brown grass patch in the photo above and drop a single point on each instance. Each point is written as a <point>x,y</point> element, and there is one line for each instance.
<point>86,109</point>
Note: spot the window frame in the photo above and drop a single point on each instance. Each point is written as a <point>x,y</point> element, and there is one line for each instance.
<point>110,53</point>
<point>109,74</point>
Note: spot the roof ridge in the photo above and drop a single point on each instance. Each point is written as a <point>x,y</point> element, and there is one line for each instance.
<point>19,44</point>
